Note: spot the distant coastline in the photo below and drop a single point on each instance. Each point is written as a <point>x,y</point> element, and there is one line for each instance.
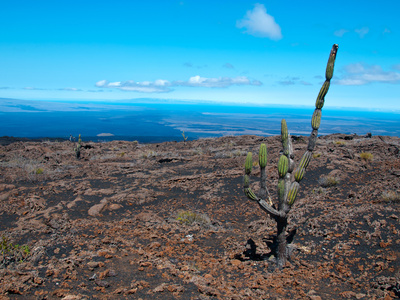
<point>160,122</point>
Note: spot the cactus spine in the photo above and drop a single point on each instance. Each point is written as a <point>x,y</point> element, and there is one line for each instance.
<point>287,189</point>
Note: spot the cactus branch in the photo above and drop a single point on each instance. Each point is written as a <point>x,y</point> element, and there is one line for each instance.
<point>287,189</point>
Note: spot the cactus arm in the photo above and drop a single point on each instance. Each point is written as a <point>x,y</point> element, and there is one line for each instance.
<point>315,123</point>
<point>263,204</point>
<point>262,161</point>
<point>269,209</point>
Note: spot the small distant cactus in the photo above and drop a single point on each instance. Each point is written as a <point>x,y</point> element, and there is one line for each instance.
<point>78,148</point>
<point>287,187</point>
<point>184,137</point>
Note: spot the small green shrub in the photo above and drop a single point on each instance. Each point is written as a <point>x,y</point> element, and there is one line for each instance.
<point>316,155</point>
<point>39,171</point>
<point>319,191</point>
<point>328,181</point>
<point>149,154</point>
<point>391,196</point>
<point>12,253</point>
<point>188,217</point>
<point>238,153</point>
<point>367,156</point>
<point>340,143</point>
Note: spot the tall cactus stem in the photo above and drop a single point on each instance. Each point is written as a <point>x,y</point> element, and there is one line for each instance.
<point>316,119</point>
<point>301,169</point>
<point>322,93</point>
<point>246,181</point>
<point>262,156</point>
<point>294,189</point>
<point>285,137</point>
<point>283,166</point>
<point>287,189</point>
<point>249,163</point>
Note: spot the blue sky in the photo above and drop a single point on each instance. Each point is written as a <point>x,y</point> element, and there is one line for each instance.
<point>270,52</point>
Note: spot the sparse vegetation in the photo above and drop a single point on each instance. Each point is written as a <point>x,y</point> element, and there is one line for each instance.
<point>319,191</point>
<point>149,154</point>
<point>391,196</point>
<point>340,143</point>
<point>32,169</point>
<point>198,151</point>
<point>316,155</point>
<point>12,252</point>
<point>328,181</point>
<point>366,156</point>
<point>188,217</point>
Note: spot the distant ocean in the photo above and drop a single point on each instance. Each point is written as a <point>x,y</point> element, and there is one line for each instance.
<point>159,122</point>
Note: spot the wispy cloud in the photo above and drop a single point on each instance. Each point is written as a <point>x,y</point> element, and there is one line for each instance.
<point>340,32</point>
<point>190,65</point>
<point>71,89</point>
<point>221,82</point>
<point>362,31</point>
<point>292,81</point>
<point>30,88</point>
<point>228,66</point>
<point>165,86</point>
<point>361,74</point>
<point>258,22</point>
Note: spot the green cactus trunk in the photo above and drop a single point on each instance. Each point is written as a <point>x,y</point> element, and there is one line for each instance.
<point>78,148</point>
<point>282,249</point>
<point>287,189</point>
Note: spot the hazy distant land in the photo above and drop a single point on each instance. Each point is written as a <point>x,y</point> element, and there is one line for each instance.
<point>156,121</point>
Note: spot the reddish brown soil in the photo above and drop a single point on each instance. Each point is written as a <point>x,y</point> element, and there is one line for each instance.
<point>106,226</point>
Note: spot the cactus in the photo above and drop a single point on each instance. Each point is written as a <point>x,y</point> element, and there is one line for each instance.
<point>287,189</point>
<point>184,137</point>
<point>78,148</point>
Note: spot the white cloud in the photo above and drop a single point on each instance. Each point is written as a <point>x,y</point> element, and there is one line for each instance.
<point>361,74</point>
<point>70,89</point>
<point>30,88</point>
<point>340,32</point>
<point>101,83</point>
<point>362,31</point>
<point>159,86</point>
<point>164,86</point>
<point>259,23</point>
<point>221,82</point>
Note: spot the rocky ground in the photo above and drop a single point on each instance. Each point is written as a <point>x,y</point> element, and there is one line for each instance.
<point>170,221</point>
